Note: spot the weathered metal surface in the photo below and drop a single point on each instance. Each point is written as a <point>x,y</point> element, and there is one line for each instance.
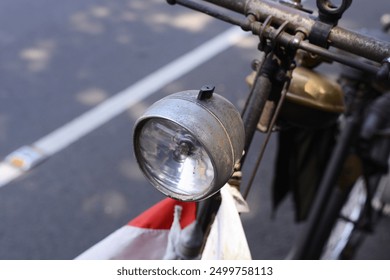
<point>339,37</point>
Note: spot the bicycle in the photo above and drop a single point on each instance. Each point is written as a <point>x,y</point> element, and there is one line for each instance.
<point>350,118</point>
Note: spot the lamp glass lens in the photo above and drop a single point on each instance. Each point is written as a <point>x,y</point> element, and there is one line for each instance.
<point>173,157</point>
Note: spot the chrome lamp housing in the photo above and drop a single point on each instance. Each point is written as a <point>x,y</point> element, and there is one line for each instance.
<point>188,143</point>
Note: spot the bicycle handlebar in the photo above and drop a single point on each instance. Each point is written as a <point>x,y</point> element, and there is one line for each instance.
<point>338,37</point>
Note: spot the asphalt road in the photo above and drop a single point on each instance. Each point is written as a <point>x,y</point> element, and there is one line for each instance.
<point>60,59</point>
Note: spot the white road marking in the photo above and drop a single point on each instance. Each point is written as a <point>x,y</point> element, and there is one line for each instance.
<point>8,173</point>
<point>115,105</point>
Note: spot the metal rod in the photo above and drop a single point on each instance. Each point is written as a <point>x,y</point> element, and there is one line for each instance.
<point>350,60</point>
<point>375,49</point>
<point>359,44</point>
<point>257,98</point>
<point>217,12</point>
<point>339,37</point>
<point>268,136</point>
<point>233,5</point>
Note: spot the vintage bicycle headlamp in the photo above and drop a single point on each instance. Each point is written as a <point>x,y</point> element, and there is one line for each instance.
<point>188,143</point>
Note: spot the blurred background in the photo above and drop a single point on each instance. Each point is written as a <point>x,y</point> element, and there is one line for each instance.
<point>60,59</point>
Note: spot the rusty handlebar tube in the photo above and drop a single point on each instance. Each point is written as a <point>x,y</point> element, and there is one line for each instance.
<point>339,37</point>
<point>257,11</point>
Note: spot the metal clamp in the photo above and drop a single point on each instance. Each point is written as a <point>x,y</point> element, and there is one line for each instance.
<point>329,15</point>
<point>319,34</point>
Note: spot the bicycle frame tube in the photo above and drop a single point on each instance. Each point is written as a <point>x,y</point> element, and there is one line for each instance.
<point>258,96</point>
